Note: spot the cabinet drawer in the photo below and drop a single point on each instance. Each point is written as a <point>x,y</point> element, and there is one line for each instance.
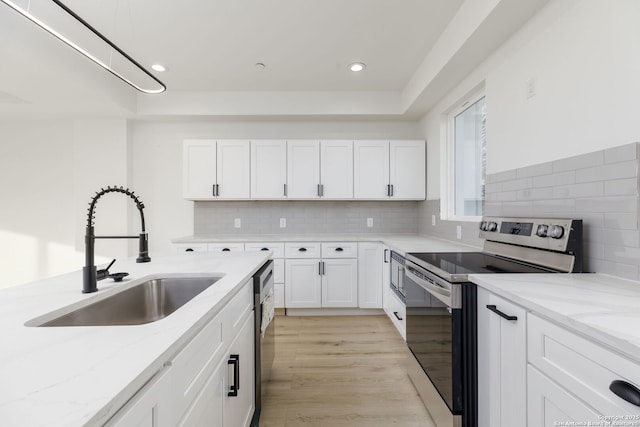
<point>225,247</point>
<point>278,271</point>
<point>276,247</point>
<point>189,247</point>
<point>302,250</point>
<point>339,250</point>
<point>234,312</point>
<point>398,313</point>
<point>195,363</point>
<point>580,365</point>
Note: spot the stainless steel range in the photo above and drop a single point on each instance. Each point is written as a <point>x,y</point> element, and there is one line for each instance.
<point>441,326</point>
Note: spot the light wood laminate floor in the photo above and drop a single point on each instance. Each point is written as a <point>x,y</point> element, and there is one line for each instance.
<point>340,371</point>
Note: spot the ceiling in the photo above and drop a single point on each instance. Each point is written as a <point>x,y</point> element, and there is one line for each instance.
<point>210,48</point>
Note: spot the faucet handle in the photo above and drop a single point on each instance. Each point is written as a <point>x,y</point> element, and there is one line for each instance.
<point>103,274</point>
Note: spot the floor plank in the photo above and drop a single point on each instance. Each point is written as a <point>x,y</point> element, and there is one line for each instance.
<point>342,371</point>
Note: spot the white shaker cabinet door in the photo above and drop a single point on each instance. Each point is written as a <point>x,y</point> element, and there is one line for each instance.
<point>198,169</point>
<point>371,170</point>
<point>303,286</point>
<point>407,170</point>
<point>233,169</point>
<point>268,169</point>
<point>370,275</point>
<point>336,169</point>
<point>339,282</point>
<point>303,169</point>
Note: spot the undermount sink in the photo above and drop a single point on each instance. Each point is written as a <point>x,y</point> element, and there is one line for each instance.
<point>146,302</point>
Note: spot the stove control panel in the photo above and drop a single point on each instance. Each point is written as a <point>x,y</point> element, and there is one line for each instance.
<point>544,233</point>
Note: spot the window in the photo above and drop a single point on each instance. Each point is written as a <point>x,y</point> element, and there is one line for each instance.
<point>466,160</point>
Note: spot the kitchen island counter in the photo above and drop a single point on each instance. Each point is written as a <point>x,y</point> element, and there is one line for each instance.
<point>74,376</point>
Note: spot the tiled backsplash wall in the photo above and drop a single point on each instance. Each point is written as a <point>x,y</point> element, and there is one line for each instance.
<point>601,188</point>
<point>263,217</point>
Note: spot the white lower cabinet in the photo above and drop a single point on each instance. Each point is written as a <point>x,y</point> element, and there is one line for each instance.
<point>327,282</point>
<point>397,312</point>
<point>370,275</point>
<point>195,386</point>
<point>150,407</point>
<point>502,362</point>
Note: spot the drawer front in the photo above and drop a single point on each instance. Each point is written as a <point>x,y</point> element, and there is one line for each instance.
<point>234,313</point>
<point>276,247</point>
<point>398,314</point>
<point>302,250</point>
<point>190,247</point>
<point>278,271</point>
<point>580,365</point>
<point>340,250</point>
<point>195,364</point>
<point>226,247</point>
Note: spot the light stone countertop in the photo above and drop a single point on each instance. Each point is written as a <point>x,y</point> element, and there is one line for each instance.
<point>401,243</point>
<point>602,307</point>
<point>74,376</point>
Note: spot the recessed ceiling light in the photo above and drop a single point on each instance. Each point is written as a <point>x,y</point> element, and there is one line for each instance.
<point>357,66</point>
<point>159,68</point>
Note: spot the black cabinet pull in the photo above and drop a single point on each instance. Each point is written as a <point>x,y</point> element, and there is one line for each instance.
<point>385,256</point>
<point>302,249</point>
<point>234,359</point>
<point>319,191</point>
<point>188,250</point>
<point>213,190</point>
<point>264,249</point>
<point>500,313</point>
<point>217,190</point>
<point>395,313</point>
<point>388,190</point>
<point>285,190</point>
<point>226,250</point>
<point>391,194</point>
<point>626,391</point>
<point>339,249</point>
<point>319,268</point>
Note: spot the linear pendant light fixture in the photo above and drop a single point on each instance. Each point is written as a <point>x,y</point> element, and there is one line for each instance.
<point>57,19</point>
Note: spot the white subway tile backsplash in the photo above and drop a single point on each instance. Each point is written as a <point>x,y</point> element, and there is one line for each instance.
<point>541,169</point>
<point>579,162</point>
<point>620,187</point>
<point>611,204</point>
<point>621,220</point>
<point>553,179</point>
<point>587,189</point>
<point>621,153</point>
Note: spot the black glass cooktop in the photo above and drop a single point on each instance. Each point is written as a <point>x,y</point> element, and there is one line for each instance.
<point>463,263</point>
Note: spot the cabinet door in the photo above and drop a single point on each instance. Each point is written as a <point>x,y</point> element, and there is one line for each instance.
<point>336,169</point>
<point>339,283</point>
<point>371,169</point>
<point>302,283</point>
<point>150,407</point>
<point>207,409</point>
<point>370,274</point>
<point>407,169</point>
<point>233,169</point>
<point>238,410</point>
<point>502,362</point>
<point>268,169</point>
<point>303,169</point>
<point>550,405</point>
<point>198,169</point>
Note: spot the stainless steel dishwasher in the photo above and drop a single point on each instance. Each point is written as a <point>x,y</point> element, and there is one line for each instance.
<point>264,333</point>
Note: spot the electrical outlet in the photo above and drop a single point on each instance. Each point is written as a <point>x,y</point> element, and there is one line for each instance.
<point>459,231</point>
<point>370,222</point>
<point>433,220</point>
<point>237,223</point>
<point>283,222</point>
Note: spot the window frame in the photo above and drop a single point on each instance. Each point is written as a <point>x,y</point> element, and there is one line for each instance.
<point>447,178</point>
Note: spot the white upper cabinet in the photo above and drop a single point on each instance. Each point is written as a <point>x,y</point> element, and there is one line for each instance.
<point>336,169</point>
<point>407,170</point>
<point>268,169</point>
<point>303,169</point>
<point>215,169</point>
<point>371,169</point>
<point>389,170</point>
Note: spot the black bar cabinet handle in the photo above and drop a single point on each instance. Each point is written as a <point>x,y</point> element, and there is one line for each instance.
<point>217,190</point>
<point>213,190</point>
<point>626,391</point>
<point>234,359</point>
<point>339,249</point>
<point>225,249</point>
<point>264,249</point>
<point>319,268</point>
<point>388,190</point>
<point>188,250</point>
<point>395,313</point>
<point>391,190</point>
<point>285,190</point>
<point>493,308</point>
<point>319,191</point>
<point>302,249</point>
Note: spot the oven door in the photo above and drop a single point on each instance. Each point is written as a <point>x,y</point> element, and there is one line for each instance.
<point>432,329</point>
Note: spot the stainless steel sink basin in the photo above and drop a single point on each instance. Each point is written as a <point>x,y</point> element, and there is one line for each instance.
<point>143,303</point>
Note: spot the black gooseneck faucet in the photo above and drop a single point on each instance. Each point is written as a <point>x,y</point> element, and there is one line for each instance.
<point>90,274</point>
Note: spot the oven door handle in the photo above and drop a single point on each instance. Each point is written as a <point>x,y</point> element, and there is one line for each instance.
<point>439,292</point>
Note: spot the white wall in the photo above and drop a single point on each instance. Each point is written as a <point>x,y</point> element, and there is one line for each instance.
<point>48,172</point>
<point>583,58</point>
<point>156,156</point>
